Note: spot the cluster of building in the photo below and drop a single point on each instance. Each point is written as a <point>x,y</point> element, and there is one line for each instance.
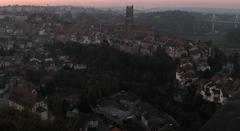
<point>127,110</point>
<point>121,111</point>
<point>23,37</point>
<point>24,97</point>
<point>22,41</point>
<point>193,57</point>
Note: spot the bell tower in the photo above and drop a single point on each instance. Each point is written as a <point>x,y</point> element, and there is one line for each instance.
<point>129,17</point>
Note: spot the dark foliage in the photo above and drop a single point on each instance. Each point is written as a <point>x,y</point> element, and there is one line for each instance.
<point>13,120</point>
<point>217,60</point>
<point>234,36</point>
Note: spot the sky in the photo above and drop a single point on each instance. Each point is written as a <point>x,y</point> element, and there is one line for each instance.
<point>143,3</point>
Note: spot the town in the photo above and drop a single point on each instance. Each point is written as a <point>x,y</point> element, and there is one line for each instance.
<point>100,70</point>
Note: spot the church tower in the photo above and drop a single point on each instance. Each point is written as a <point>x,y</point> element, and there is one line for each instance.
<point>129,17</point>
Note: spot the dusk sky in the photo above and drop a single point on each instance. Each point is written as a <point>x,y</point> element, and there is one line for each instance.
<point>147,3</point>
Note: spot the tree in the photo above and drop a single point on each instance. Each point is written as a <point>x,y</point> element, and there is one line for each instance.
<point>217,60</point>
<point>233,36</point>
<point>48,86</point>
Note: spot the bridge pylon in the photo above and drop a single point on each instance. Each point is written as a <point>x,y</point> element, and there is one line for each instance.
<point>236,21</point>
<point>213,20</point>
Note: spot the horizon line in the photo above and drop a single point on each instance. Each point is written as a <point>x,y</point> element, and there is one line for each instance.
<point>164,6</point>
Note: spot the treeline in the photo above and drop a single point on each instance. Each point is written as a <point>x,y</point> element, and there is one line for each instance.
<point>109,67</point>
<point>157,69</point>
<point>109,70</point>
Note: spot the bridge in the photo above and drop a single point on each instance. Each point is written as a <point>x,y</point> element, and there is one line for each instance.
<point>229,51</point>
<point>214,20</point>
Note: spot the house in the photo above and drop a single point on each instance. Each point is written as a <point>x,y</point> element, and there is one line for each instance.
<point>35,60</point>
<point>154,120</point>
<point>212,93</point>
<point>25,98</point>
<point>178,75</point>
<point>4,64</point>
<point>195,54</point>
<point>80,67</point>
<point>203,67</point>
<point>177,52</point>
<point>41,109</point>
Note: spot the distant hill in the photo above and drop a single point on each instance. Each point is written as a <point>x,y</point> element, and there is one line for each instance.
<point>198,9</point>
<point>186,22</point>
<point>180,22</point>
<point>189,9</point>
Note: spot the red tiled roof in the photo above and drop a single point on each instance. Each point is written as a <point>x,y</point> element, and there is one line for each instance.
<point>115,129</point>
<point>187,68</point>
<point>216,77</point>
<point>142,28</point>
<point>236,83</point>
<point>195,52</point>
<point>23,94</point>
